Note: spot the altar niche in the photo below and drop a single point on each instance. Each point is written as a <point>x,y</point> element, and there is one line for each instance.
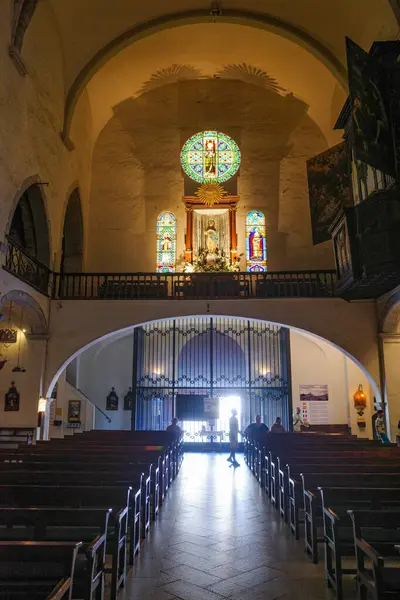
<point>210,230</point>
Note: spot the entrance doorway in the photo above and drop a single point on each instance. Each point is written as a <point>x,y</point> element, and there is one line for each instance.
<point>214,430</point>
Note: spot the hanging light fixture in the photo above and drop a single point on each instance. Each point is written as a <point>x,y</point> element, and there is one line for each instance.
<point>360,400</point>
<point>42,405</point>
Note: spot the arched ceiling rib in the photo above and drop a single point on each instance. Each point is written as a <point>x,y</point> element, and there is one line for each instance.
<point>92,31</point>
<point>258,57</point>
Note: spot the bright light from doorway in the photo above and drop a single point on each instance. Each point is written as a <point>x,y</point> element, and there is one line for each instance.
<point>226,404</point>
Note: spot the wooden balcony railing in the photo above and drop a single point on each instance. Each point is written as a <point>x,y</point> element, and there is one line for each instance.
<point>27,268</point>
<point>194,286</point>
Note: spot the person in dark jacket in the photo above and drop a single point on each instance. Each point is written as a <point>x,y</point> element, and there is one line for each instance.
<point>174,427</point>
<point>257,428</point>
<point>277,427</point>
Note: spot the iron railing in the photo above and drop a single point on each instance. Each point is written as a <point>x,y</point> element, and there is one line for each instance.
<point>167,286</point>
<point>194,286</point>
<point>27,268</point>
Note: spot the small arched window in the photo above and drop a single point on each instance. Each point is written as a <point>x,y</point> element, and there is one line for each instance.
<point>166,243</point>
<point>256,242</point>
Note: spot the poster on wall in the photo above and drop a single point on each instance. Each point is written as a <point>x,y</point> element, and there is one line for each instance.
<point>329,189</point>
<point>211,408</point>
<point>314,404</point>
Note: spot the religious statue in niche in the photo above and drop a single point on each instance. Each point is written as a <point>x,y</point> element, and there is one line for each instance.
<point>11,398</point>
<point>211,235</point>
<point>112,400</point>
<point>210,156</point>
<point>128,400</point>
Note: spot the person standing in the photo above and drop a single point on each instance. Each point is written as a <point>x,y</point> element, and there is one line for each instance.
<point>233,438</point>
<point>277,427</point>
<point>257,428</point>
<point>297,420</point>
<point>380,427</point>
<point>174,427</point>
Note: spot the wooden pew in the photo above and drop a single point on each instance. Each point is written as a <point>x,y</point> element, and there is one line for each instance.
<point>120,499</point>
<point>376,535</point>
<point>338,528</point>
<point>12,437</point>
<point>37,570</point>
<point>131,478</point>
<point>304,448</point>
<point>78,454</point>
<point>121,470</point>
<point>313,519</point>
<point>90,457</point>
<point>291,488</point>
<point>88,526</point>
<point>326,454</point>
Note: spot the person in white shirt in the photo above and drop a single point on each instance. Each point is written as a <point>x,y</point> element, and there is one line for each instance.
<point>297,420</point>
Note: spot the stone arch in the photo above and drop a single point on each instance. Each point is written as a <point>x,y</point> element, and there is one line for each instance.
<point>236,16</point>
<point>306,319</point>
<point>35,316</point>
<point>72,236</point>
<point>28,226</point>
<point>23,11</point>
<point>390,316</point>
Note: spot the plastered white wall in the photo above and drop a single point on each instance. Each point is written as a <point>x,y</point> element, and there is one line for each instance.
<point>28,384</point>
<point>105,366</point>
<point>313,362</point>
<point>316,362</point>
<point>391,350</point>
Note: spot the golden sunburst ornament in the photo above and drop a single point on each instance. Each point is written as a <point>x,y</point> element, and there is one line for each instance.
<point>211,193</point>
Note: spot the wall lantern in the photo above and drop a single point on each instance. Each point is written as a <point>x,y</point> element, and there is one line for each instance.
<point>360,400</point>
<point>42,405</point>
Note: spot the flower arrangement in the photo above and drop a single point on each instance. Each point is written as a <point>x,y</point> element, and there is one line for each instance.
<point>217,263</point>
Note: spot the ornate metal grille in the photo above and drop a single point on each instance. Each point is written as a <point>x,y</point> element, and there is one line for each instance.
<point>210,357</point>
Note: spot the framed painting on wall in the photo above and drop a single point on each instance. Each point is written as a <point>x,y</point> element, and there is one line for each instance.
<point>11,399</point>
<point>74,413</point>
<point>112,400</point>
<point>128,400</point>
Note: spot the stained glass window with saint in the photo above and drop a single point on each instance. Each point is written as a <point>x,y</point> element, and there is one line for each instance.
<point>166,243</point>
<point>256,242</point>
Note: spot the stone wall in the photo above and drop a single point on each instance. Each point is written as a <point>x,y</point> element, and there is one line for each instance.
<point>137,173</point>
<point>31,120</point>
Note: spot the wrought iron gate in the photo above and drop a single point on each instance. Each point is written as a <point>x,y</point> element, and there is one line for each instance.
<point>240,363</point>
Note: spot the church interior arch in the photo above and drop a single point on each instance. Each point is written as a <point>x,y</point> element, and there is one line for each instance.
<point>29,225</point>
<point>73,236</point>
<point>221,349</point>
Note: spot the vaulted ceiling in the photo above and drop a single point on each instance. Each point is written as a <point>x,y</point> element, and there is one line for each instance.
<point>114,47</point>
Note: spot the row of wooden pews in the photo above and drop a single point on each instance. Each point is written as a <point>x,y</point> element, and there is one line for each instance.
<point>74,511</point>
<point>344,494</point>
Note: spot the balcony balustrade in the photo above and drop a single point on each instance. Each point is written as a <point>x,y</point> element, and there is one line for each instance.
<point>168,286</point>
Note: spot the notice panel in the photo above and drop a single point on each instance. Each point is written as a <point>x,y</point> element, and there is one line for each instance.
<point>314,404</point>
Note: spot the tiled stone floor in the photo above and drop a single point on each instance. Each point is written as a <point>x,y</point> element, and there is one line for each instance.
<point>219,538</point>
